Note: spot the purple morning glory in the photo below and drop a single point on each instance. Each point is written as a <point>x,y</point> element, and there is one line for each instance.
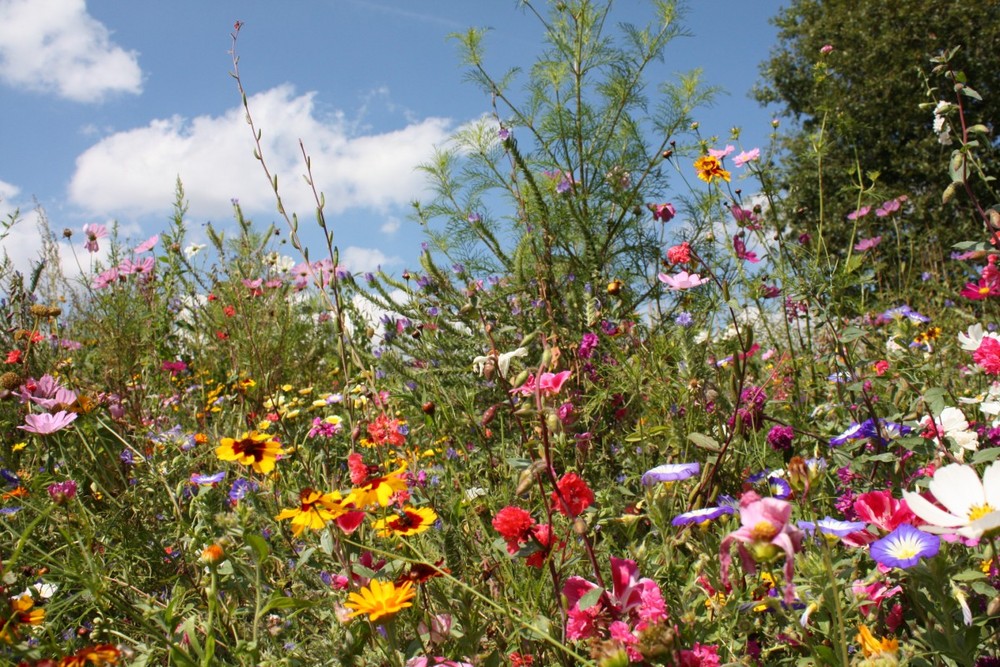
<point>670,472</point>
<point>904,547</point>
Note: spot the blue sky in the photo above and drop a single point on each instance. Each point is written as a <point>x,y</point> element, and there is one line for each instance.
<point>106,103</point>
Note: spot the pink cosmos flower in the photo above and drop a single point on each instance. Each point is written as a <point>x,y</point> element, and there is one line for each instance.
<point>93,233</point>
<point>105,278</point>
<point>746,156</point>
<point>147,244</point>
<point>740,247</point>
<point>765,533</point>
<point>682,280</point>
<point>664,212</point>
<point>887,208</point>
<point>860,213</point>
<point>719,154</point>
<point>44,424</point>
<point>868,244</point>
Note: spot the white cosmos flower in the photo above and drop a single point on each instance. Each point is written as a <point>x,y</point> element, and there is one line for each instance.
<point>972,506</point>
<point>973,337</point>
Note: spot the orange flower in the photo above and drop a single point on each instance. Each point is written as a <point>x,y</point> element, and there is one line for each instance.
<point>709,168</point>
<point>378,490</point>
<point>92,656</point>
<point>408,521</point>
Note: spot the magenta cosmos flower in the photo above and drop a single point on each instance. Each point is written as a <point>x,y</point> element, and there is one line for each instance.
<point>548,384</point>
<point>44,424</point>
<point>764,534</point>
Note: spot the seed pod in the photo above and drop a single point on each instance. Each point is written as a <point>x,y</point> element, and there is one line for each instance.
<point>489,415</point>
<point>528,477</point>
<point>428,408</point>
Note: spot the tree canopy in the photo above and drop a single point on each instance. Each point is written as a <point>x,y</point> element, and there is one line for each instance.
<point>855,76</point>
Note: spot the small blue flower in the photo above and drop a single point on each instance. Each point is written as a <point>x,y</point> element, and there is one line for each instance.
<point>208,479</point>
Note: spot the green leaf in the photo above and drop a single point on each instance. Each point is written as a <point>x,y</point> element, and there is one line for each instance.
<point>851,334</point>
<point>985,455</point>
<point>969,575</point>
<point>590,598</point>
<point>261,549</point>
<point>703,441</point>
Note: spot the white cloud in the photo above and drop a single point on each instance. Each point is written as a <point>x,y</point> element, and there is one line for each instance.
<point>133,172</point>
<point>390,226</point>
<point>55,46</point>
<point>365,259</point>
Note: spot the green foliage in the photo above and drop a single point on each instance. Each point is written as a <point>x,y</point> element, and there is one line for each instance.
<point>861,135</point>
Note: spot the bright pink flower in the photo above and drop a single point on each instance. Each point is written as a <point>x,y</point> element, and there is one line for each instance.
<point>826,49</point>
<point>741,250</point>
<point>700,655</point>
<point>634,600</point>
<point>888,208</point>
<point>874,593</point>
<point>764,534</point>
<point>980,290</point>
<point>881,510</point>
<point>988,355</point>
<point>548,384</point>
<point>746,156</point>
<point>664,212</point>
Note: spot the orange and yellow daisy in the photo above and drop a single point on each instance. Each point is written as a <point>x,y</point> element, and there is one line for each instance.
<point>380,599</point>
<point>92,656</point>
<point>377,490</point>
<point>258,450</point>
<point>407,521</point>
<point>314,511</point>
<point>709,168</point>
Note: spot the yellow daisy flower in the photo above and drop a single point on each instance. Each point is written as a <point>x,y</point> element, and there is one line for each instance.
<point>408,521</point>
<point>314,511</point>
<point>258,450</point>
<point>380,599</point>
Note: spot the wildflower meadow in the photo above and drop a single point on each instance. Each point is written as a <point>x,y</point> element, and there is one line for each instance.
<point>594,424</point>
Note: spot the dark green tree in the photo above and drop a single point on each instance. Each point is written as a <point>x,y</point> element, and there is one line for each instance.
<point>864,116</point>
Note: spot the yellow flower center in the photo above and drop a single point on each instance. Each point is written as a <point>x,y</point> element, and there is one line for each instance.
<point>979,511</point>
<point>764,530</point>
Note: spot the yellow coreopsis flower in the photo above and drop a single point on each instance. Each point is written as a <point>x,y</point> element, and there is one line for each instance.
<point>258,450</point>
<point>377,490</point>
<point>709,168</point>
<point>408,521</point>
<point>380,599</point>
<point>314,511</point>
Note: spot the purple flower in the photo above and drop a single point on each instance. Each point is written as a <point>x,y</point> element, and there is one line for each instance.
<point>780,438</point>
<point>670,472</point>
<point>587,345</point>
<point>45,423</point>
<point>683,319</point>
<point>702,515</point>
<point>831,526</point>
<point>208,479</point>
<point>61,492</point>
<point>240,489</point>
<point>904,547</point>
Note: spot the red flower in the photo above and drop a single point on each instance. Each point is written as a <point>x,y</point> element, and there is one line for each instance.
<point>542,536</point>
<point>14,357</point>
<point>385,431</point>
<point>514,525</point>
<point>230,311</point>
<point>572,495</point>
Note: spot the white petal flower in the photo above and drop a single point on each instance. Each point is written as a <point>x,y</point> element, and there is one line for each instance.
<point>972,506</point>
<point>503,361</point>
<point>973,338</point>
